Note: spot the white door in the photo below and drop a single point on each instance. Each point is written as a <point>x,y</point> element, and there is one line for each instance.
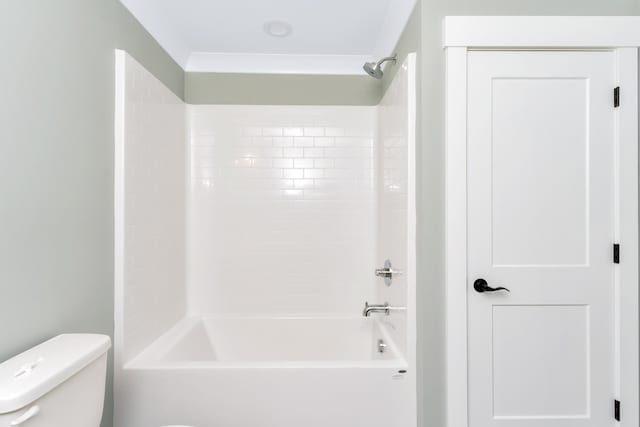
<point>541,140</point>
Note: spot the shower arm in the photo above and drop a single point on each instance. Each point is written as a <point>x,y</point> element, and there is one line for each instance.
<point>393,58</point>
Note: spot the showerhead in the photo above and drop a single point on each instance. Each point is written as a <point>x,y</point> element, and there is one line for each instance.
<point>374,69</point>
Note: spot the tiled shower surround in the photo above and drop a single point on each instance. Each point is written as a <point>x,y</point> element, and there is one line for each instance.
<point>246,242</point>
<point>281,210</point>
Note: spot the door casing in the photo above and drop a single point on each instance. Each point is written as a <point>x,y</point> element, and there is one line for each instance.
<point>620,34</point>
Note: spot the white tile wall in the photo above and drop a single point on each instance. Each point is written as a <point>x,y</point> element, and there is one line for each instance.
<point>281,210</point>
<point>154,291</point>
<point>275,210</point>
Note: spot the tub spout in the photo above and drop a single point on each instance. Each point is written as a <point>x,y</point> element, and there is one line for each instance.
<point>379,308</point>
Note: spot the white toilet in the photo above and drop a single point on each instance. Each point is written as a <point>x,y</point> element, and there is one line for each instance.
<point>59,383</point>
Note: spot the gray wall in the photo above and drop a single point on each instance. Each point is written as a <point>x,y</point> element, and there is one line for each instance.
<point>56,164</point>
<point>281,89</point>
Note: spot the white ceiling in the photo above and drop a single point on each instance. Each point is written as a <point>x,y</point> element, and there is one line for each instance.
<point>329,36</point>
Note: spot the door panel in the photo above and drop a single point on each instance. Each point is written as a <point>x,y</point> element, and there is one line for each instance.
<point>541,130</point>
<point>539,169</point>
<point>548,380</point>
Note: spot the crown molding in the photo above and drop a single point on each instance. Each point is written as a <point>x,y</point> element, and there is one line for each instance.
<point>542,31</point>
<point>252,63</point>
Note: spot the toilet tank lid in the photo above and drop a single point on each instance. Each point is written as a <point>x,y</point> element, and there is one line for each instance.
<point>32,374</point>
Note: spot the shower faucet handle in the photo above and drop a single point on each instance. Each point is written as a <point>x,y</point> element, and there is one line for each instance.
<point>384,272</point>
<point>387,272</point>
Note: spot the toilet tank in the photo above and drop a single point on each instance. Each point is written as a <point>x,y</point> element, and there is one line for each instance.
<point>59,383</point>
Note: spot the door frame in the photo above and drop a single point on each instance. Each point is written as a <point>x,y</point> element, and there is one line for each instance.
<point>622,36</point>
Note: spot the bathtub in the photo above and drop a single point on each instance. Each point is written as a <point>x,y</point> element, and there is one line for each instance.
<point>257,372</point>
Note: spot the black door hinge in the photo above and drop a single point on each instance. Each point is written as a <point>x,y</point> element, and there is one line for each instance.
<point>616,97</point>
<point>616,253</point>
<point>616,410</point>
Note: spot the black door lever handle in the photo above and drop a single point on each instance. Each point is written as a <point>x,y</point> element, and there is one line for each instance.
<point>481,286</point>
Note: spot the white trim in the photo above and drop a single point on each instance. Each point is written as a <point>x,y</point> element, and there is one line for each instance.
<point>118,197</point>
<point>412,259</point>
<point>542,31</point>
<point>456,235</point>
<point>505,32</point>
<point>276,63</point>
<point>627,272</point>
<point>118,213</point>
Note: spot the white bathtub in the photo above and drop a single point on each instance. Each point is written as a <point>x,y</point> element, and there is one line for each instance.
<point>268,372</point>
